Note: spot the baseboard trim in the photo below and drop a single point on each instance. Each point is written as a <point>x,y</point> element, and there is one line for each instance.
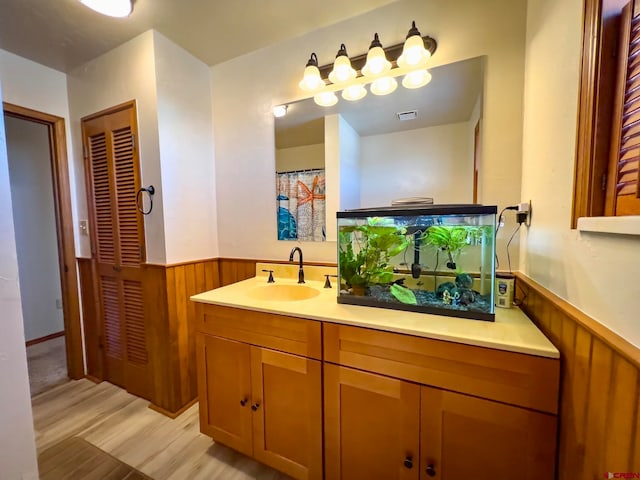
<point>622,346</point>
<point>176,414</point>
<point>35,341</point>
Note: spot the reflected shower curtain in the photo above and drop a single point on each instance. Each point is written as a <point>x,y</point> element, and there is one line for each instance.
<point>301,205</point>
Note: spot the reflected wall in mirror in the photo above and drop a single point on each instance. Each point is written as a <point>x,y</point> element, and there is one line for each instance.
<point>369,155</point>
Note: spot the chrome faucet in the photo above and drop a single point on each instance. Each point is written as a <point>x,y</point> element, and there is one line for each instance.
<point>301,271</point>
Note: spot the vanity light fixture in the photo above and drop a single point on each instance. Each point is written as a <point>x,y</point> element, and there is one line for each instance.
<point>354,92</point>
<point>384,86</point>
<point>414,55</point>
<point>352,75</point>
<point>377,63</point>
<point>312,81</point>
<point>326,99</point>
<point>111,8</point>
<point>342,70</point>
<point>280,110</point>
<point>416,79</point>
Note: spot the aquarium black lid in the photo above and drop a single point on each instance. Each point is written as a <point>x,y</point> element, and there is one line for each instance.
<point>441,209</point>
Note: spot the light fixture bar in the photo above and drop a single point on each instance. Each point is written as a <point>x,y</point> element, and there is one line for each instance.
<point>392,52</point>
<point>362,80</point>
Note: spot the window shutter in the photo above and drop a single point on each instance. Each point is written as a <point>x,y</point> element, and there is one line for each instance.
<point>134,323</point>
<point>111,315</point>
<point>129,221</point>
<point>623,196</point>
<point>105,248</point>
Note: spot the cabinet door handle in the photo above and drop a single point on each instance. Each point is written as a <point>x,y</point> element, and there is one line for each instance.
<point>243,402</point>
<point>255,406</point>
<point>431,471</point>
<point>408,462</point>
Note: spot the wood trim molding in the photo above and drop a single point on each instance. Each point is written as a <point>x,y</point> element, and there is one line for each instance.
<point>600,387</point>
<point>615,341</point>
<point>180,264</point>
<point>64,227</point>
<point>586,123</point>
<point>51,336</point>
<point>117,108</point>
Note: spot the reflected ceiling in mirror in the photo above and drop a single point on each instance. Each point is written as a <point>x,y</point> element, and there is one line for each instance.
<point>449,98</point>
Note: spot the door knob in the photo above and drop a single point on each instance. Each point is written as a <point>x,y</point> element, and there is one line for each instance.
<point>408,462</point>
<point>431,471</point>
<point>255,406</point>
<point>243,402</point>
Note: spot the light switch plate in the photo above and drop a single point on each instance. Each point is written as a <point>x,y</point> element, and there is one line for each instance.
<point>84,227</point>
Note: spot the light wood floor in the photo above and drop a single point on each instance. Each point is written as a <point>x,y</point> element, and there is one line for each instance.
<point>123,426</point>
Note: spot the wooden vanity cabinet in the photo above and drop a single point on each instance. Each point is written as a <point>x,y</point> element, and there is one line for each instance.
<point>263,402</point>
<point>388,396</point>
<point>372,427</point>
<point>467,437</point>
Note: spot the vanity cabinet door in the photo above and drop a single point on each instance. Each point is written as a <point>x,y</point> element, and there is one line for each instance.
<point>224,386</point>
<point>371,426</point>
<point>287,412</point>
<point>465,437</point>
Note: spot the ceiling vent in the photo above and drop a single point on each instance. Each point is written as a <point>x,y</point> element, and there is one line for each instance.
<point>410,115</point>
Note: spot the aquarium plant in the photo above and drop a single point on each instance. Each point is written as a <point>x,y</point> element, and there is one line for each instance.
<point>376,243</point>
<point>451,239</point>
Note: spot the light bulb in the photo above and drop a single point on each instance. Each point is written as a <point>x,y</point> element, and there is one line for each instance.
<point>279,111</point>
<point>416,79</point>
<point>311,81</point>
<point>377,63</point>
<point>342,70</point>
<point>414,55</point>
<point>384,86</point>
<point>354,92</point>
<point>111,8</point>
<point>326,99</point>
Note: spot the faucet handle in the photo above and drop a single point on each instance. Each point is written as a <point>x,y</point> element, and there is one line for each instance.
<point>270,280</point>
<point>327,282</point>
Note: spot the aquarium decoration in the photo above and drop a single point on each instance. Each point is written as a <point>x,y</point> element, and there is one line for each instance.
<point>432,259</point>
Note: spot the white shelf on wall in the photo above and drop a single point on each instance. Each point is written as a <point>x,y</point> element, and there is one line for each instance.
<point>627,225</point>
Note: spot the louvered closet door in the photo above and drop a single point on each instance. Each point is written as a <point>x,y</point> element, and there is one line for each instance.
<point>623,196</point>
<point>118,247</point>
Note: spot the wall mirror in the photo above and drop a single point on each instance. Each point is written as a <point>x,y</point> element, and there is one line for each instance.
<point>373,151</point>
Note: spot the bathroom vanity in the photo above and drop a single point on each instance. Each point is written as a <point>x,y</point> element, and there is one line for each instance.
<point>317,389</point>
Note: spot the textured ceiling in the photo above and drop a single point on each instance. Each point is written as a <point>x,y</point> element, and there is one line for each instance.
<point>63,34</point>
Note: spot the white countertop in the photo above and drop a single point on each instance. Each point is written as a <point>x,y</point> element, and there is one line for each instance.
<point>512,330</point>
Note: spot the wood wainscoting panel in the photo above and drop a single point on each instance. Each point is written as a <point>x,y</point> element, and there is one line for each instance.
<point>599,399</point>
<point>234,270</point>
<point>168,288</point>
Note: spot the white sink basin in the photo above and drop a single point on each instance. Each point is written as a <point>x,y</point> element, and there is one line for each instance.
<point>283,293</point>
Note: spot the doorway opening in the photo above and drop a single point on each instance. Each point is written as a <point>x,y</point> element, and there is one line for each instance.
<point>39,178</point>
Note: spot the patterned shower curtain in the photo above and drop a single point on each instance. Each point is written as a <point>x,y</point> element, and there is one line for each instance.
<point>301,205</point>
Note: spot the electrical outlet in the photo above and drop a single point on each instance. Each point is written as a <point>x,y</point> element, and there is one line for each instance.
<point>84,227</point>
<point>59,303</point>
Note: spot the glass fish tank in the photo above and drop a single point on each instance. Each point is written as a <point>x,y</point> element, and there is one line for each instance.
<point>436,259</point>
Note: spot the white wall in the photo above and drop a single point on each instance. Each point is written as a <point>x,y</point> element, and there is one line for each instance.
<point>246,88</point>
<point>299,158</point>
<point>35,226</point>
<point>342,158</point>
<point>31,85</point>
<point>185,132</point>
<point>433,162</point>
<point>598,273</point>
<point>350,155</point>
<point>17,441</point>
<point>123,74</point>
